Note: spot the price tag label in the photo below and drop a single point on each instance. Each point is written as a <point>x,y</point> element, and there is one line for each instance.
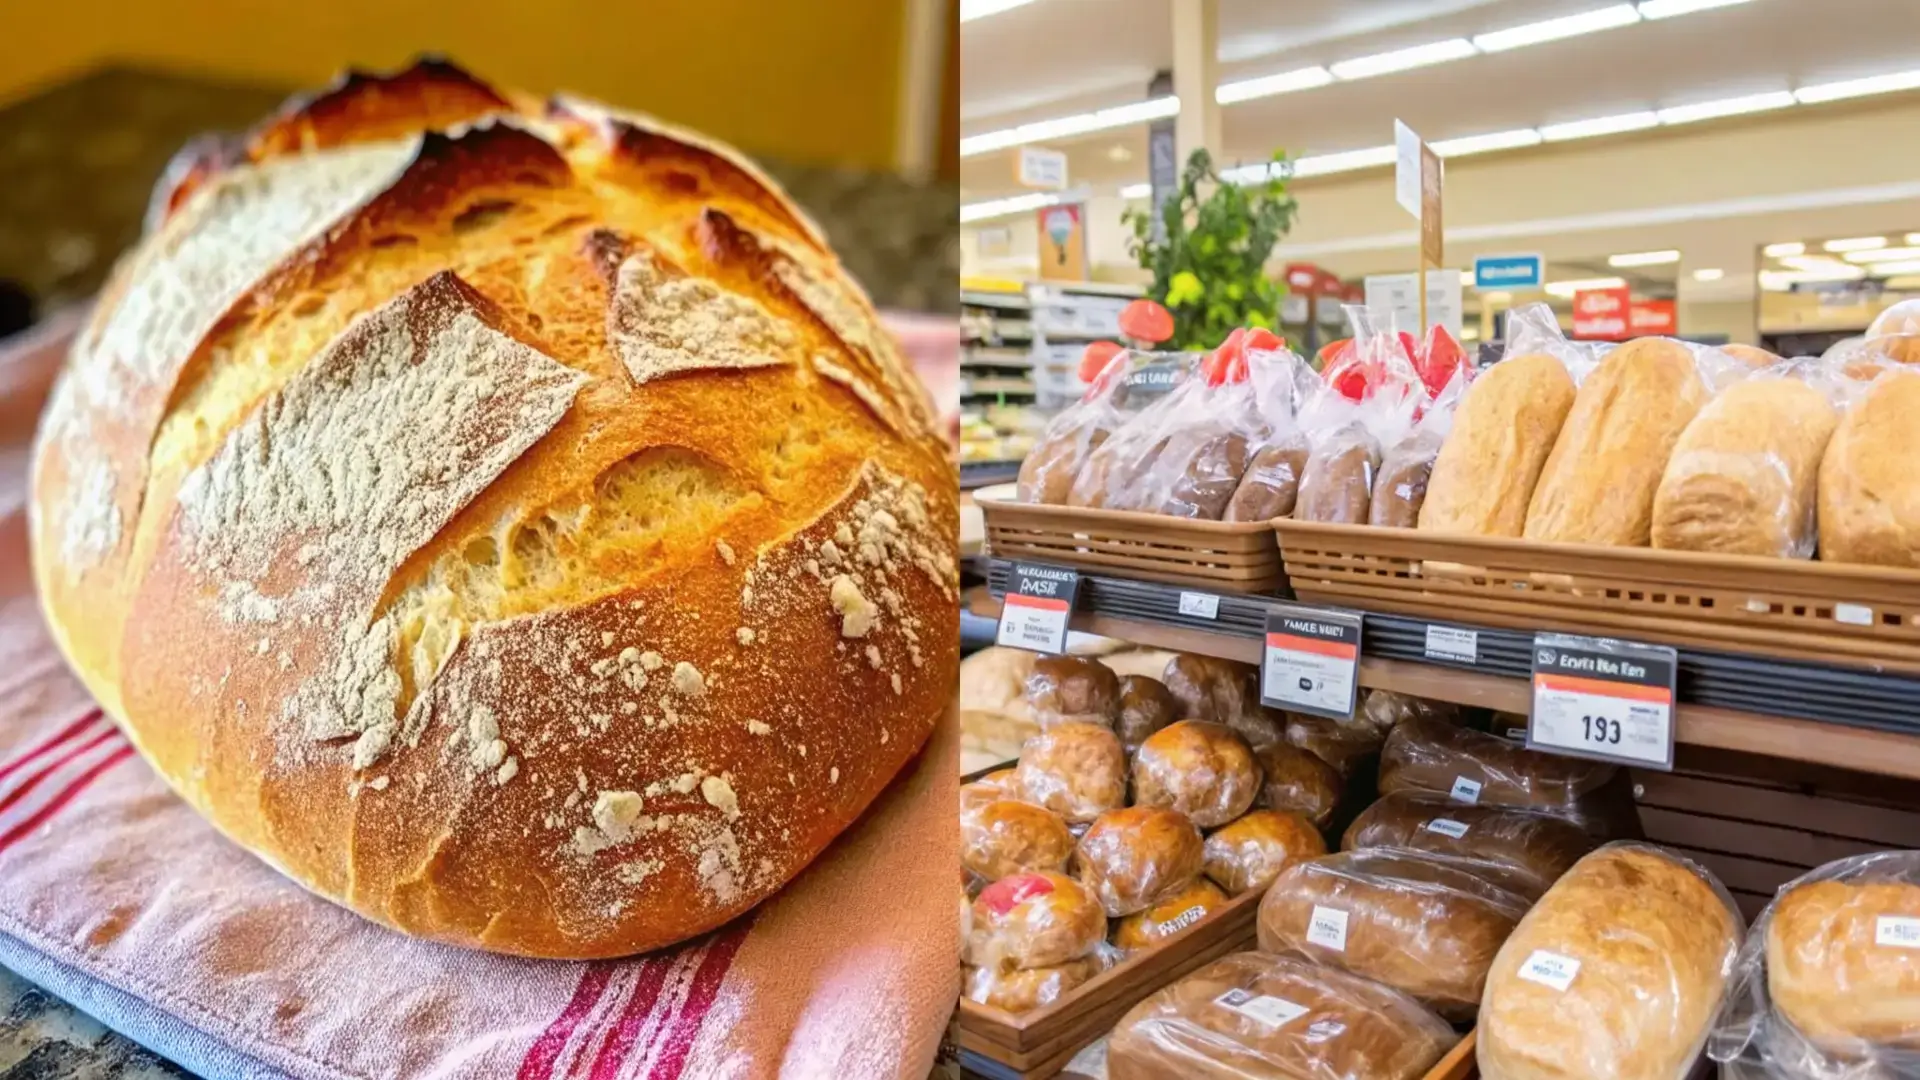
<point>1037,608</point>
<point>1200,605</point>
<point>1601,698</point>
<point>1269,1010</point>
<point>1549,969</point>
<point>1328,928</point>
<point>1448,827</point>
<point>1312,661</point>
<point>1453,643</point>
<point>1899,931</point>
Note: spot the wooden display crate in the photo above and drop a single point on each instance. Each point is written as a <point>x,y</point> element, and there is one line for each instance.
<point>1832,612</point>
<point>1219,555</point>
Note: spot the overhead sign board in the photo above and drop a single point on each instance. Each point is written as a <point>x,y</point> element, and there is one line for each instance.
<point>1509,271</point>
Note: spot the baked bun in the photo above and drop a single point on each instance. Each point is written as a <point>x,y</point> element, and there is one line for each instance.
<point>1168,917</point>
<point>1075,769</point>
<point>1352,747</point>
<point>1832,976</point>
<point>1385,708</point>
<point>458,492</point>
<point>1222,692</point>
<point>1296,780</point>
<point>1019,990</point>
<point>1416,922</point>
<point>996,785</point>
<point>1034,919</point>
<point>1203,770</point>
<point>1006,837</point>
<point>1134,858</point>
<point>1145,707</point>
<point>1246,854</point>
<point>1541,846</point>
<point>1072,688</point>
<point>1277,1018</point>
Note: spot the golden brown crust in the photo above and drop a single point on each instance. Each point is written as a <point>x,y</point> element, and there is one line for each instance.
<point>1832,976</point>
<point>1203,770</point>
<point>1869,497</point>
<point>1007,836</point>
<point>1168,918</point>
<point>1073,688</point>
<point>1538,845</point>
<point>1246,854</point>
<point>1299,781</point>
<point>1036,919</point>
<point>1485,473</point>
<point>1133,858</point>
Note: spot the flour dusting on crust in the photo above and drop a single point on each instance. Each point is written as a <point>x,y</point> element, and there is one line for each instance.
<point>662,323</point>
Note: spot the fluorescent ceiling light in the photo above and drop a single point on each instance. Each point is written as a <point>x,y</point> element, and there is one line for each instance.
<point>1436,52</point>
<point>1879,255</point>
<point>1709,273</point>
<point>1554,29</point>
<point>1077,124</point>
<point>1903,266</point>
<point>1016,204</point>
<point>1852,88</point>
<point>1480,144</point>
<point>1345,161</point>
<point>980,9</point>
<point>1136,191</point>
<point>1268,85</point>
<point>1667,9</point>
<point>1601,125</point>
<point>1913,238</point>
<point>1819,268</point>
<point>1791,247</point>
<point>1644,258</point>
<point>1568,288</point>
<point>1257,172</point>
<point>1734,106</point>
<point>1856,243</point>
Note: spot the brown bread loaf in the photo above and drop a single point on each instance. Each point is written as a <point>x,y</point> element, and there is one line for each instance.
<point>1337,485</point>
<point>1401,488</point>
<point>1297,780</point>
<point>1432,756</point>
<point>1132,859</point>
<point>1271,484</point>
<point>1203,770</point>
<point>1869,499</point>
<point>1072,688</point>
<point>1743,477</point>
<point>1503,430</point>
<point>1223,692</point>
<point>1832,971</point>
<point>1247,853</point>
<point>1145,707</point>
<point>1075,769</point>
<point>1034,919</point>
<point>1538,845</point>
<point>1007,836</point>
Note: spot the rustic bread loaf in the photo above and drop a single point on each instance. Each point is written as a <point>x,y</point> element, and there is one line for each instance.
<point>1352,746</point>
<point>1337,484</point>
<point>1401,487</point>
<point>504,517</point>
<point>1034,919</point>
<point>1473,767</point>
<point>1271,484</point>
<point>1297,780</point>
<point>1223,692</point>
<point>1502,432</point>
<point>1743,476</point>
<point>1019,990</point>
<point>1247,853</point>
<point>1007,836</point>
<point>1132,859</point>
<point>1833,972</point>
<point>1145,707</point>
<point>1205,771</point>
<point>1540,846</point>
<point>1869,502</point>
<point>1598,484</point>
<point>1075,769</point>
<point>1617,972</point>
<point>1072,688</point>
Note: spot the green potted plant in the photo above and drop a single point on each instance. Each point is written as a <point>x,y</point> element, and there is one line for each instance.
<point>1210,268</point>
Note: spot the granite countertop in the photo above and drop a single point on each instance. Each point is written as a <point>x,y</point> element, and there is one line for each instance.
<point>80,159</point>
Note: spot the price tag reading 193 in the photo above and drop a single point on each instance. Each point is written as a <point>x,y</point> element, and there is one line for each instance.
<point>1601,698</point>
<point>1038,605</point>
<point>1311,661</point>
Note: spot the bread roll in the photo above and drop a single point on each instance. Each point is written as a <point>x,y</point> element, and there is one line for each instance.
<point>1073,688</point>
<point>1743,477</point>
<point>1222,692</point>
<point>1246,854</point>
<point>1475,768</point>
<point>1131,859</point>
<point>1145,707</point>
<point>1503,430</point>
<point>1075,769</point>
<point>1271,484</point>
<point>1409,920</point>
<point>1205,482</point>
<point>996,785</point>
<point>1869,502</point>
<point>1401,487</point>
<point>1599,482</point>
<point>1034,919</point>
<point>1019,990</point>
<point>1385,708</point>
<point>1751,355</point>
<point>1006,837</point>
<point>388,481</point>
<point>1349,746</point>
<point>1538,845</point>
<point>1294,779</point>
<point>1276,1018</point>
<point>1047,472</point>
<point>1169,917</point>
<point>1843,965</point>
<point>1616,973</point>
<point>1203,770</point>
<point>1337,485</point>
<point>995,680</point>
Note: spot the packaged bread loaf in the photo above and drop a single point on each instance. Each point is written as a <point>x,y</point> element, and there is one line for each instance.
<point>1869,499</point>
<point>1337,484</point>
<point>1209,444</point>
<point>1599,482</point>
<point>1222,692</point>
<point>1616,974</point>
<point>1247,853</point>
<point>1744,476</point>
<point>1168,917</point>
<point>1071,437</point>
<point>1352,748</point>
<point>1539,845</point>
<point>1421,923</point>
<point>1385,708</point>
<point>430,472</point>
<point>996,785</point>
<point>1034,919</point>
<point>1254,1015</point>
<point>1296,780</point>
<point>1205,771</point>
<point>1075,769</point>
<point>1116,474</point>
<point>1472,767</point>
<point>1007,836</point>
<point>1145,707</point>
<point>1401,488</point>
<point>1270,486</point>
<point>1019,990</point>
<point>1132,859</point>
<point>1072,688</point>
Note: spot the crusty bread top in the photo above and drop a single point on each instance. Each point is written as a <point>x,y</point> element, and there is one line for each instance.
<point>506,518</point>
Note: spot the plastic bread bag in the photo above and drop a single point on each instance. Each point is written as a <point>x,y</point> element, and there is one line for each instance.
<point>1540,846</point>
<point>1168,918</point>
<point>1223,424</point>
<point>1113,474</point>
<point>1347,435</point>
<point>1246,854</point>
<point>1018,990</point>
<point>1075,769</point>
<point>1868,501</point>
<point>1828,981</point>
<point>1007,836</point>
<point>1072,688</point>
<point>1075,432</point>
<point>1401,488</point>
<point>1134,858</point>
<point>1271,483</point>
<point>1478,769</point>
<point>1618,972</point>
<point>1204,770</point>
<point>1252,1014</point>
<point>1892,339</point>
<point>1424,924</point>
<point>1386,708</point>
<point>1034,919</point>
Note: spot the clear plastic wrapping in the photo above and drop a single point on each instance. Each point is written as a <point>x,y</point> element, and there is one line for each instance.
<point>1205,771</point>
<point>1424,924</point>
<point>1617,973</point>
<point>1075,433</point>
<point>1131,859</point>
<point>1270,485</point>
<point>996,785</point>
<point>1220,426</point>
<point>1541,846</point>
<point>1222,692</point>
<point>1347,436</point>
<point>1299,781</point>
<point>1401,488</point>
<point>1869,490</point>
<point>1075,769</point>
<point>1006,836</point>
<point>1385,708</point>
<point>1350,746</point>
<point>1018,990</point>
<point>1034,919</point>
<point>1472,767</point>
<point>1145,707</point>
<point>1115,472</point>
<point>1253,1015</point>
<point>1246,854</point>
<point>1072,688</point>
<point>1169,917</point>
<point>1828,983</point>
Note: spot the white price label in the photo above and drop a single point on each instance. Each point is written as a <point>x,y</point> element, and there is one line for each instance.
<point>1453,643</point>
<point>1853,614</point>
<point>1034,622</point>
<point>1466,791</point>
<point>1591,716</point>
<point>1447,827</point>
<point>1272,1011</point>
<point>1200,605</point>
<point>1311,661</point>
<point>1550,969</point>
<point>1899,931</point>
<point>1328,928</point>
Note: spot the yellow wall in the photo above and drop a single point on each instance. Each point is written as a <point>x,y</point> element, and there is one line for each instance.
<point>793,80</point>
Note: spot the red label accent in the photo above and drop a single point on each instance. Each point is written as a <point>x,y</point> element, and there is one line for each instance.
<point>1653,318</point>
<point>1044,603</point>
<point>1010,892</point>
<point>1574,684</point>
<point>1339,650</point>
<point>1601,313</point>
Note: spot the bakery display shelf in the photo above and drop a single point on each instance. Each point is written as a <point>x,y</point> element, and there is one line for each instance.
<point>1230,556</point>
<point>1799,609</point>
<point>1872,737</point>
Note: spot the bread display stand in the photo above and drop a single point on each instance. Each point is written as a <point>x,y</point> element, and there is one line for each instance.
<point>1239,557</point>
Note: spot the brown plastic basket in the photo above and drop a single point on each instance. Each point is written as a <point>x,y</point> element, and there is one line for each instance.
<point>1219,555</point>
<point>1855,615</point>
